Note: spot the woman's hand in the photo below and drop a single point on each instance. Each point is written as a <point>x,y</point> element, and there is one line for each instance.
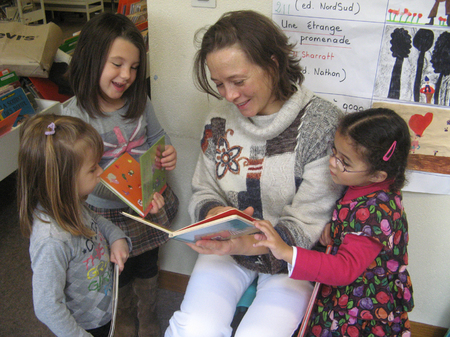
<point>120,252</point>
<point>220,209</point>
<point>243,245</point>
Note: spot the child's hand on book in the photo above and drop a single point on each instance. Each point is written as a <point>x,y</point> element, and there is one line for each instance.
<point>169,158</point>
<point>120,252</point>
<point>157,203</point>
<point>272,240</point>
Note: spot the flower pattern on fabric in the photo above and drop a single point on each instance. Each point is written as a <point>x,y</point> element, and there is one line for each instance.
<point>377,302</point>
<point>227,157</point>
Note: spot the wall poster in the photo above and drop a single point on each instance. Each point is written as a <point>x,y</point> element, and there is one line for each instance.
<point>389,53</point>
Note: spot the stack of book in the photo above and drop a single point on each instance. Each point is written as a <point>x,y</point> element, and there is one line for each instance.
<point>15,101</point>
<point>136,11</point>
<point>69,44</point>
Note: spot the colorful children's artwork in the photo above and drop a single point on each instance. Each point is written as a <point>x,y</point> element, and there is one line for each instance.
<point>357,53</point>
<point>430,135</point>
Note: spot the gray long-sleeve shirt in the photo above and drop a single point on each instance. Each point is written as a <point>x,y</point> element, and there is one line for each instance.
<point>72,275</point>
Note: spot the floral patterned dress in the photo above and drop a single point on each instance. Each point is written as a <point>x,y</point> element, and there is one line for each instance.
<point>377,302</point>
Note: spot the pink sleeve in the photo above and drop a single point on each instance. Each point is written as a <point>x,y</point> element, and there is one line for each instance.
<point>355,254</point>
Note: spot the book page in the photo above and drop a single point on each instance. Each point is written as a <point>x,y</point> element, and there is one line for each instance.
<point>226,229</point>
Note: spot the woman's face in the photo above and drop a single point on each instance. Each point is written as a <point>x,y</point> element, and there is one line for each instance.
<point>241,82</point>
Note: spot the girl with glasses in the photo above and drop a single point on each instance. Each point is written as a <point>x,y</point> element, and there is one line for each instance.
<point>366,287</point>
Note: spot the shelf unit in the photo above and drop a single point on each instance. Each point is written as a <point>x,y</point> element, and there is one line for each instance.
<point>33,16</point>
<point>78,6</point>
<point>9,142</point>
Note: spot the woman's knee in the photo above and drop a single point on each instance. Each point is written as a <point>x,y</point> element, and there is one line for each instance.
<point>187,325</point>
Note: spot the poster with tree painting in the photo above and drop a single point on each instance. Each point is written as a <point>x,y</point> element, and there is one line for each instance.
<point>397,52</point>
<point>414,65</point>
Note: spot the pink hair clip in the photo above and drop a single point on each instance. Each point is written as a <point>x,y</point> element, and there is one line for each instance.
<point>51,130</point>
<point>390,152</point>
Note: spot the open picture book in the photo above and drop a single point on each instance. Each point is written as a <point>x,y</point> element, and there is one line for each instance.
<point>134,181</point>
<point>223,226</point>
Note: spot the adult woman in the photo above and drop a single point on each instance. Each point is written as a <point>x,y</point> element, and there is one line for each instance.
<point>264,151</point>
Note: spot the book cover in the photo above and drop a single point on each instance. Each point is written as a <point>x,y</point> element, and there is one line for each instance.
<point>124,6</point>
<point>153,176</point>
<point>68,46</point>
<point>10,78</point>
<point>311,303</point>
<point>223,226</point>
<point>13,101</point>
<point>6,124</point>
<point>48,89</point>
<point>134,181</point>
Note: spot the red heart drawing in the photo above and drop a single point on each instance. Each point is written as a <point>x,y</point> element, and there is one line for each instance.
<point>419,123</point>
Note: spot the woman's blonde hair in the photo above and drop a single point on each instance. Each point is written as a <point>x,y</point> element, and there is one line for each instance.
<point>48,169</point>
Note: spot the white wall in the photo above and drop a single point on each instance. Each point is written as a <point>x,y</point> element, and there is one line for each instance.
<point>181,109</point>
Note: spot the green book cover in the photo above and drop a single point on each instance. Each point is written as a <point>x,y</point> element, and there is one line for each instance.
<point>9,79</point>
<point>153,176</point>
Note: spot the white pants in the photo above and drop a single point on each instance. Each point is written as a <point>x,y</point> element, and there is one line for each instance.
<point>215,287</point>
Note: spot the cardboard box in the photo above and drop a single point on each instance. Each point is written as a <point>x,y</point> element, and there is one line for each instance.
<point>29,50</point>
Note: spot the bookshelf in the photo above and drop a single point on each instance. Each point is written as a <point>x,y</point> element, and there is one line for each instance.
<point>9,142</point>
<point>88,7</point>
<point>32,16</point>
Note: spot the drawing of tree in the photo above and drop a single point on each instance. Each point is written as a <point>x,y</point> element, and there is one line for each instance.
<point>423,40</point>
<point>440,59</point>
<point>400,48</point>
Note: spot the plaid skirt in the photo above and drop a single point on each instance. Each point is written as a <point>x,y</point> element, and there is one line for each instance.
<point>144,238</point>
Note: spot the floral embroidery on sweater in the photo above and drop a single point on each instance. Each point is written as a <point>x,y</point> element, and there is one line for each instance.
<point>227,157</point>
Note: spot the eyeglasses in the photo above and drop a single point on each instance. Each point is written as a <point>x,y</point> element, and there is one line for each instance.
<point>340,165</point>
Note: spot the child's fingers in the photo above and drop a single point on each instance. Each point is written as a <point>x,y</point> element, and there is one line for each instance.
<point>263,227</point>
<point>157,203</point>
<point>169,166</point>
<point>119,254</point>
<point>169,152</point>
<point>120,263</point>
<point>259,236</point>
<point>169,162</point>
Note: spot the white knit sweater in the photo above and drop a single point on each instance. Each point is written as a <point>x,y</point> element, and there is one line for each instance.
<point>277,164</point>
